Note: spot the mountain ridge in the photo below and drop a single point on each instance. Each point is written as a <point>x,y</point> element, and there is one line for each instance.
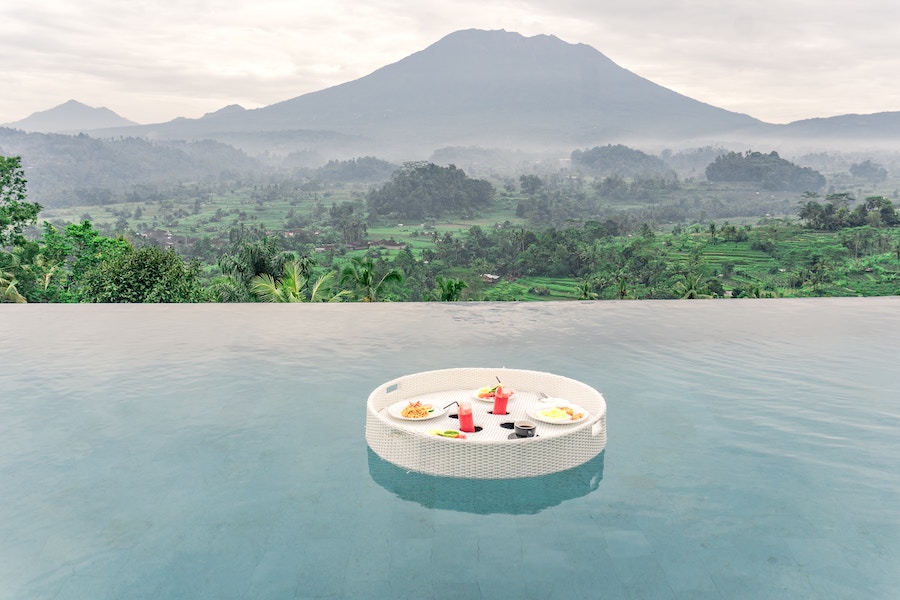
<point>71,116</point>
<point>500,88</point>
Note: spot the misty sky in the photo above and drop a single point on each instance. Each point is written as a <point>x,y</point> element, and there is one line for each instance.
<point>154,60</point>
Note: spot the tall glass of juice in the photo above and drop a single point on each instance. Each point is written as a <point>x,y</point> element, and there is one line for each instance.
<point>500,400</point>
<point>466,420</point>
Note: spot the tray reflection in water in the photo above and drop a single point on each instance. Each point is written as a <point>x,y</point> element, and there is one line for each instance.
<point>527,495</point>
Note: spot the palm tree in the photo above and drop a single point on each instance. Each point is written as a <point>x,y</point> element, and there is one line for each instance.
<point>361,273</point>
<point>692,288</point>
<point>251,257</point>
<point>228,289</point>
<point>448,290</point>
<point>9,285</point>
<point>286,289</point>
<point>8,289</point>
<point>586,290</point>
<point>290,287</point>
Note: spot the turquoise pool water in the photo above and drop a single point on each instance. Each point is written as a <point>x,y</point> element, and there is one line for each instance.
<point>218,452</point>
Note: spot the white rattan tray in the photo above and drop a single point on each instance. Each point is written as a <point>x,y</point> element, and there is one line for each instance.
<point>489,453</point>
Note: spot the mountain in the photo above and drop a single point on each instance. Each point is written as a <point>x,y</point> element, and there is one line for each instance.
<point>494,89</point>
<point>70,117</point>
<point>481,87</point>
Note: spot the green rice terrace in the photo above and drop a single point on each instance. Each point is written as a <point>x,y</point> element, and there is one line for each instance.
<point>432,233</point>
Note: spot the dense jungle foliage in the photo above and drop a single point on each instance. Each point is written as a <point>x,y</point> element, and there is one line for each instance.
<point>564,234</point>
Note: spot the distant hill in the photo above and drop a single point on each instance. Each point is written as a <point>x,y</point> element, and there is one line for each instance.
<point>66,170</point>
<point>877,126</point>
<point>70,117</point>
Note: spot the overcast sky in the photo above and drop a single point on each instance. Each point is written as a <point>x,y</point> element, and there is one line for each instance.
<point>154,60</point>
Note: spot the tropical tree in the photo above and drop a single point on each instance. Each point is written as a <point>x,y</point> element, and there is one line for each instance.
<point>68,256</point>
<point>15,212</point>
<point>10,271</point>
<point>423,189</point>
<point>290,287</point>
<point>254,253</point>
<point>348,222</point>
<point>586,290</point>
<point>227,289</point>
<point>144,275</point>
<point>692,287</point>
<point>8,288</point>
<point>506,291</point>
<point>448,290</point>
<point>361,273</point>
<point>322,287</point>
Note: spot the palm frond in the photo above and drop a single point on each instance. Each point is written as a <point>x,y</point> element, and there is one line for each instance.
<point>266,289</point>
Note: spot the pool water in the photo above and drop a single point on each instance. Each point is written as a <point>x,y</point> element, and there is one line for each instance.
<point>218,452</point>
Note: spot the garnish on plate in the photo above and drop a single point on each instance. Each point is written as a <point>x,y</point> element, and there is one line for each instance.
<point>488,392</point>
<point>449,433</point>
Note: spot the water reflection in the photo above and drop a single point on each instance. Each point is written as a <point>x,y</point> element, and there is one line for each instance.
<point>529,495</point>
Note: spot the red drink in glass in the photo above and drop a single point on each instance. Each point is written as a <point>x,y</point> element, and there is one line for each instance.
<point>466,420</point>
<point>500,400</point>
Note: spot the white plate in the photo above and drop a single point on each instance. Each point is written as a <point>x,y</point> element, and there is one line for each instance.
<point>396,409</point>
<point>535,412</point>
<point>477,397</point>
